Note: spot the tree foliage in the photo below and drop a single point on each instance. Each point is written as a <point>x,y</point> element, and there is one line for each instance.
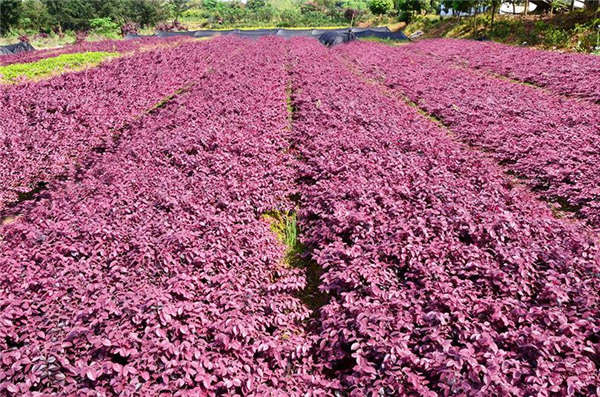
<point>60,15</point>
<point>178,7</point>
<point>380,7</point>
<point>9,14</point>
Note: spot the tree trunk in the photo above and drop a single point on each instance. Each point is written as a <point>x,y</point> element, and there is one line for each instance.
<point>493,14</point>
<point>572,5</point>
<point>591,4</point>
<point>526,11</point>
<point>514,8</point>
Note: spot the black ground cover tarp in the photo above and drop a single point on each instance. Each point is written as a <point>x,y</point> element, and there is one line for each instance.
<point>326,36</point>
<point>255,33</point>
<point>334,38</point>
<point>288,33</point>
<point>16,48</point>
<point>382,35</point>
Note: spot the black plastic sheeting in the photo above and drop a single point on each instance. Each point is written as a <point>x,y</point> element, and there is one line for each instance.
<point>326,36</point>
<point>330,39</point>
<point>16,48</point>
<point>399,35</point>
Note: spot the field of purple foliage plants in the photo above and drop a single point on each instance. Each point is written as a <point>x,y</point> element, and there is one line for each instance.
<point>272,217</point>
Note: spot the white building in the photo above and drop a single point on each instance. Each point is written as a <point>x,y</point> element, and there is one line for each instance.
<point>507,8</point>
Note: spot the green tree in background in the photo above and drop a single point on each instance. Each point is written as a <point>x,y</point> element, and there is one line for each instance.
<point>104,26</point>
<point>210,4</point>
<point>380,7</point>
<point>459,6</point>
<point>494,7</point>
<point>35,16</point>
<point>260,10</point>
<point>10,10</point>
<point>407,8</point>
<point>255,5</point>
<point>178,7</point>
<point>113,9</point>
<point>70,14</point>
<point>146,12</point>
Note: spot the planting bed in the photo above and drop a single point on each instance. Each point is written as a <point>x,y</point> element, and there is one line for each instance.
<point>122,46</point>
<point>53,126</point>
<point>575,75</point>
<point>549,141</point>
<point>46,67</point>
<point>443,280</point>
<point>269,217</point>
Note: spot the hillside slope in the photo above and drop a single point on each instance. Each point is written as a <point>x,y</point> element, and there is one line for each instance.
<point>576,31</point>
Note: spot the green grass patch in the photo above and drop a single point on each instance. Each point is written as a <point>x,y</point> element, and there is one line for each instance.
<point>384,41</point>
<point>52,66</point>
<point>163,102</point>
<point>284,225</point>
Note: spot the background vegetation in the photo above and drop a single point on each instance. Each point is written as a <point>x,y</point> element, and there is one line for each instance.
<point>48,23</point>
<point>574,31</point>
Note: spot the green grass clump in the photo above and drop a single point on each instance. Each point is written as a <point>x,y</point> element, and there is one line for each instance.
<point>284,226</point>
<point>384,41</point>
<point>52,66</point>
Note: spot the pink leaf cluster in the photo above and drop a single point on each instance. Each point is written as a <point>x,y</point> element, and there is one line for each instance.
<point>50,128</point>
<point>148,269</point>
<point>154,273</point>
<point>562,73</point>
<point>550,141</point>
<point>443,280</point>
